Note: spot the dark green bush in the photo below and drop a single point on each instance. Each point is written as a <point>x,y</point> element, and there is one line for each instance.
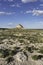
<point>30,49</point>
<point>36,57</point>
<point>5,53</point>
<point>21,41</point>
<point>9,59</point>
<point>41,50</point>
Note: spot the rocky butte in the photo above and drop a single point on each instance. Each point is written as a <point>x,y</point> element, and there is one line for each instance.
<point>19,26</point>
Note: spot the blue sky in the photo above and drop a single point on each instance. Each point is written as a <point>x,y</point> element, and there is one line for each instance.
<point>29,13</point>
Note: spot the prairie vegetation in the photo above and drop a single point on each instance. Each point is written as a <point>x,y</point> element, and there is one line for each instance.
<point>17,46</point>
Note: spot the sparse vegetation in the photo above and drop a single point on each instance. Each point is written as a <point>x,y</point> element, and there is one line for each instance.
<point>27,42</point>
<point>10,59</point>
<point>36,57</point>
<point>41,50</point>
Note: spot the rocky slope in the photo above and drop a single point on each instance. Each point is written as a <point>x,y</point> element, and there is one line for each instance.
<point>21,47</point>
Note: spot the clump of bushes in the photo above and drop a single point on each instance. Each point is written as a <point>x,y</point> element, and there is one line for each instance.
<point>4,53</point>
<point>21,41</point>
<point>36,57</point>
<point>30,49</point>
<point>41,50</point>
<point>9,59</point>
<point>15,50</point>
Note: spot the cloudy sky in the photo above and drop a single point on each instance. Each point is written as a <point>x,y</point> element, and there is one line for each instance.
<point>29,13</point>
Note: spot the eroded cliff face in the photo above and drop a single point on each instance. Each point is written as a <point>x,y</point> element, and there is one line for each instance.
<point>24,49</point>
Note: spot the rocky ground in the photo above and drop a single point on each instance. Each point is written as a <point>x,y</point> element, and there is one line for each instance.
<point>21,47</point>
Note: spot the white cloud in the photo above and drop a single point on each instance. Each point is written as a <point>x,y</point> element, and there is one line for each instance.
<point>12,5</point>
<point>35,12</point>
<point>7,13</point>
<point>15,5</point>
<point>41,0</point>
<point>5,0</point>
<point>29,11</point>
<point>41,5</point>
<point>26,1</point>
<point>10,0</point>
<point>2,13</point>
<point>18,5</point>
<point>21,12</point>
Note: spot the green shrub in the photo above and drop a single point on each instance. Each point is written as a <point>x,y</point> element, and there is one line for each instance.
<point>36,57</point>
<point>5,53</point>
<point>21,41</point>
<point>9,59</point>
<point>30,49</point>
<point>16,49</point>
<point>41,50</point>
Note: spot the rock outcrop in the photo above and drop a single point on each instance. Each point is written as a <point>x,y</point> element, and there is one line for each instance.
<point>19,26</point>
